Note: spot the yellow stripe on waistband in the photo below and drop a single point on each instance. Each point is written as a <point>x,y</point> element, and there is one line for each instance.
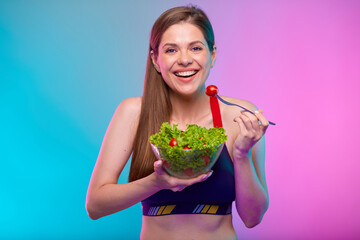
<point>213,209</point>
<point>205,208</point>
<point>160,210</point>
<point>168,209</point>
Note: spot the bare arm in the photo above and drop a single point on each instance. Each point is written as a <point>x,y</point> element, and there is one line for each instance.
<point>104,195</point>
<point>252,198</point>
<point>112,198</point>
<point>248,152</point>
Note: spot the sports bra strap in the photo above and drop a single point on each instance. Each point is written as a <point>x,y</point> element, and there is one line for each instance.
<point>215,110</point>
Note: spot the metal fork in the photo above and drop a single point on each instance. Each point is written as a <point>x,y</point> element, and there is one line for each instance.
<point>233,104</point>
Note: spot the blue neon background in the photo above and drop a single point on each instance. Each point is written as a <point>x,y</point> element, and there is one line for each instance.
<point>65,66</point>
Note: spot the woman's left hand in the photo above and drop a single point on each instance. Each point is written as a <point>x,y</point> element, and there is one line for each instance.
<point>250,131</point>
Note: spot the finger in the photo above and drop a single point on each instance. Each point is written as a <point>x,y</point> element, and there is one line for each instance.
<point>158,167</point>
<point>246,120</point>
<point>262,119</point>
<point>181,188</point>
<point>254,121</point>
<point>241,124</point>
<point>259,114</point>
<point>177,188</point>
<point>207,175</point>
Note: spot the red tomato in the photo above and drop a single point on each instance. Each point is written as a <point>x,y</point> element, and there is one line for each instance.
<point>173,142</point>
<point>206,159</point>
<point>211,90</point>
<point>187,148</point>
<point>189,172</point>
<point>166,164</point>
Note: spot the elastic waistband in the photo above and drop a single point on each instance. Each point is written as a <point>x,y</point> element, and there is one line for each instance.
<point>187,208</point>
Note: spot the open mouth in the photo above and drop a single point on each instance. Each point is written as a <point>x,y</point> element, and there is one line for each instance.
<point>186,74</point>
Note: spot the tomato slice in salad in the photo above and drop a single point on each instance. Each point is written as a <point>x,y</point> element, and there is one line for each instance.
<point>173,142</point>
<point>166,164</point>
<point>206,159</point>
<point>189,172</point>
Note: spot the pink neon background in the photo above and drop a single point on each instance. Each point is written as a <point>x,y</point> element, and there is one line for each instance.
<point>299,61</point>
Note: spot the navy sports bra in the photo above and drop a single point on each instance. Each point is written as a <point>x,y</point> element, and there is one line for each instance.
<point>213,196</point>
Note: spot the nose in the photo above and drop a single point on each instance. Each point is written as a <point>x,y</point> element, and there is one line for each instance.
<point>185,59</point>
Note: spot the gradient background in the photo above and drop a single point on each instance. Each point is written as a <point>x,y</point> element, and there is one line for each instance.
<point>66,65</point>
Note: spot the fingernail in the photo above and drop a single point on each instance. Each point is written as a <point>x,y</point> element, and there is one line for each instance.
<point>158,163</point>
<point>256,111</point>
<point>207,176</point>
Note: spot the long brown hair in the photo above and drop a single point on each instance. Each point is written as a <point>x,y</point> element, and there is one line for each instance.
<point>156,106</point>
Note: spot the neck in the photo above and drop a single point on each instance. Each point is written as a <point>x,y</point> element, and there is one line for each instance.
<point>189,109</point>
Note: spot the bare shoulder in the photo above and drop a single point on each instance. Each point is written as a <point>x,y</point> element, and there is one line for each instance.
<point>131,106</point>
<point>119,137</point>
<point>128,111</point>
<point>234,111</point>
<point>229,113</point>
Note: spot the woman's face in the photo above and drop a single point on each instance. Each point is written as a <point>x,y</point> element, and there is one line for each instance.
<point>184,58</point>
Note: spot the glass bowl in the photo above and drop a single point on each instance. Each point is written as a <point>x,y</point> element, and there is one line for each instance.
<point>187,163</point>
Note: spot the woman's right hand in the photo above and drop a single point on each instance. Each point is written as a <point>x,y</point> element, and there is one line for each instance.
<point>165,181</point>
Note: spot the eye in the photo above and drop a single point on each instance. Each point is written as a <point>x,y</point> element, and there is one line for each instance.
<point>170,50</point>
<point>195,49</point>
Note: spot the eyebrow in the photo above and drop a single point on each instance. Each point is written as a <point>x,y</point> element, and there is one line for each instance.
<point>175,45</point>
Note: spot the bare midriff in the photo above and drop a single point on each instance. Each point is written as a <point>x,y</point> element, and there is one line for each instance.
<point>188,227</point>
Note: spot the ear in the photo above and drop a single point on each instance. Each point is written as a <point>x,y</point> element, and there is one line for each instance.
<point>153,59</point>
<point>213,56</point>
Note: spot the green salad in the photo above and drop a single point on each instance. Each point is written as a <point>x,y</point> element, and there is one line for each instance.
<point>191,152</point>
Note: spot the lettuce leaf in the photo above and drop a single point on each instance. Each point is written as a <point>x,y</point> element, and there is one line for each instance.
<point>194,136</point>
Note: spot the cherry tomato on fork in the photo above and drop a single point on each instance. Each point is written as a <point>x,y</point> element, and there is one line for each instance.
<point>211,90</point>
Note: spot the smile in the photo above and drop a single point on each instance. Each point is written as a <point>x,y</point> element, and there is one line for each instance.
<point>186,74</point>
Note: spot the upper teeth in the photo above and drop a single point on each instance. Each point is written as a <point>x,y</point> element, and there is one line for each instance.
<point>185,73</point>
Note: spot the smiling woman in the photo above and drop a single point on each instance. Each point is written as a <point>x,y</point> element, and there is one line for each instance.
<point>181,53</point>
<point>184,58</point>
